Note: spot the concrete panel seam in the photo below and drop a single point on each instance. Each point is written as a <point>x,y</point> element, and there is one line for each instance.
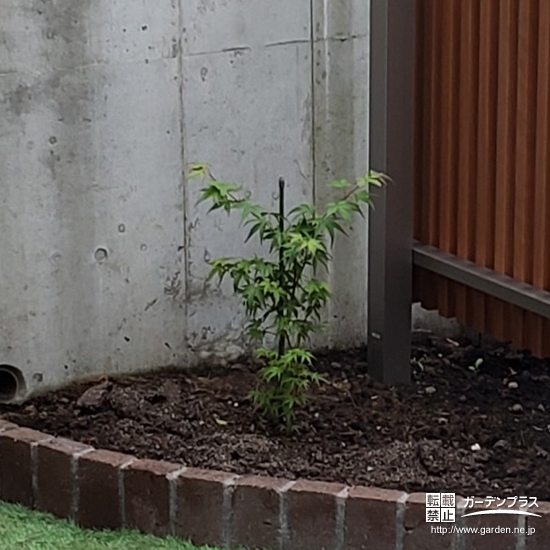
<point>283,515</point>
<point>341,498</point>
<point>227,510</point>
<point>400,521</point>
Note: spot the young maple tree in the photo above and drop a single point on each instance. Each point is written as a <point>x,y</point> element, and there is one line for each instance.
<point>283,292</point>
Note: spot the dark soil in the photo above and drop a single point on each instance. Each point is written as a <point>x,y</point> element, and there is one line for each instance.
<point>418,438</point>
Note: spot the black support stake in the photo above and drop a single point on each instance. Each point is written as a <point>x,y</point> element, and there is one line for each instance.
<point>281,265</point>
<point>390,223</point>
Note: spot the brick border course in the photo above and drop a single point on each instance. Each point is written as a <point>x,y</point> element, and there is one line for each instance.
<point>106,489</point>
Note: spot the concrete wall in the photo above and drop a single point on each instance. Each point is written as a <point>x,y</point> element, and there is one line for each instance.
<point>102,105</point>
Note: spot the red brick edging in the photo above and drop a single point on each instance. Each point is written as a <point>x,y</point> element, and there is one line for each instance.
<point>104,489</point>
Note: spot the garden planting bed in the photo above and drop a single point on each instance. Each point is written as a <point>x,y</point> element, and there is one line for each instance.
<point>474,422</point>
<point>416,438</point>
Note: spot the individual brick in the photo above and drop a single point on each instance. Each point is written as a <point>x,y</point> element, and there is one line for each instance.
<point>418,533</point>
<point>55,476</point>
<point>99,500</point>
<point>16,464</point>
<point>200,506</point>
<point>538,539</point>
<point>371,518</point>
<point>256,512</point>
<point>500,540</point>
<point>147,496</point>
<point>312,515</point>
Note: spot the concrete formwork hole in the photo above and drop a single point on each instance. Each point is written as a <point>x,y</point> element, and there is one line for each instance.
<point>12,383</point>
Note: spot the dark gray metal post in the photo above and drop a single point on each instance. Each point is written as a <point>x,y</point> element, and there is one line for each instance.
<point>390,223</point>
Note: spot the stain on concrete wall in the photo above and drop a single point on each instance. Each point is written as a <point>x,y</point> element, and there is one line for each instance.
<point>341,95</point>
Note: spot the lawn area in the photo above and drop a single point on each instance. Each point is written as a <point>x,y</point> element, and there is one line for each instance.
<point>21,529</point>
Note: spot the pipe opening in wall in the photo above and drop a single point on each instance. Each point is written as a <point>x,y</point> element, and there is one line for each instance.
<point>12,383</point>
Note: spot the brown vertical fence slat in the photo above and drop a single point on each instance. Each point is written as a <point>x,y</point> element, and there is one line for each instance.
<point>420,116</point>
<point>435,12</point>
<point>498,311</point>
<point>482,187</point>
<point>533,334</point>
<point>467,150</point>
<point>541,264</point>
<point>450,51</point>
<point>511,313</point>
<point>541,220</point>
<point>423,121</point>
<point>486,145</point>
<point>506,140</point>
<point>525,149</point>
<point>525,139</point>
<point>486,141</point>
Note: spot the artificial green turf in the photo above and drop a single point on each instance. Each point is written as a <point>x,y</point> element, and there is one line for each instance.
<point>21,529</point>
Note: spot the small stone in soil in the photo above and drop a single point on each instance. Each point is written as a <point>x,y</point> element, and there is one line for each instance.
<point>430,390</point>
<point>541,452</point>
<point>94,397</point>
<point>475,447</point>
<point>517,408</point>
<point>502,444</point>
<point>512,385</point>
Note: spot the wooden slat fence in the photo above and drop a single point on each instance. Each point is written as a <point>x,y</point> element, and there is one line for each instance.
<point>483,155</point>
